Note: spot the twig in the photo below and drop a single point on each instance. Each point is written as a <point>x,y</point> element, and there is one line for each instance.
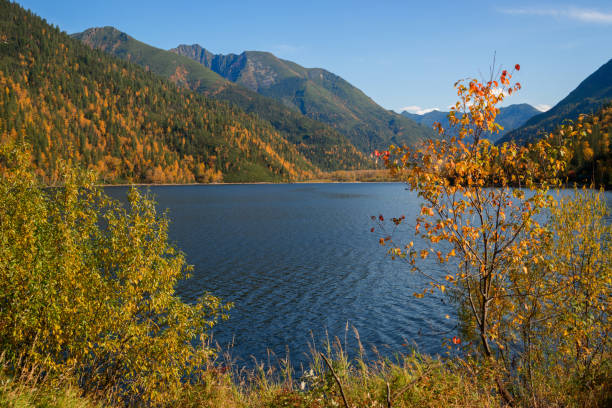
<point>388,395</point>
<point>407,386</point>
<point>337,380</point>
<point>505,394</point>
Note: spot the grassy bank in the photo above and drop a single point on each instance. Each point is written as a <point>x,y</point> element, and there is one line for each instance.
<point>331,380</point>
<point>340,176</point>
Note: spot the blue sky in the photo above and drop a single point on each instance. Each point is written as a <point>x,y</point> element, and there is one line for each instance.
<point>400,53</point>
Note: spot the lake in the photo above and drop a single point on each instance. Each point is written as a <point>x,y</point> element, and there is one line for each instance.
<point>299,262</point>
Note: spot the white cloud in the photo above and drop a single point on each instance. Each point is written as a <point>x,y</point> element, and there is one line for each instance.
<point>591,16</point>
<point>417,109</point>
<point>574,13</point>
<point>542,107</point>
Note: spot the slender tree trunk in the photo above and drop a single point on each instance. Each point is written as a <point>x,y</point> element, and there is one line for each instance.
<point>501,388</point>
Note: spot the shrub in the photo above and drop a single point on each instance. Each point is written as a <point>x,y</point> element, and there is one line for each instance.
<point>87,286</point>
<point>560,337</point>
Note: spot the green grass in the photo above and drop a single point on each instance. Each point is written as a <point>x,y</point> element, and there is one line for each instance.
<point>29,388</point>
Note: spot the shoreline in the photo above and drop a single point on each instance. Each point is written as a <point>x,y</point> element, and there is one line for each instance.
<point>563,187</point>
<point>242,183</point>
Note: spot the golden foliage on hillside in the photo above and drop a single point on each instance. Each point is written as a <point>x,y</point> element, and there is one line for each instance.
<point>71,102</point>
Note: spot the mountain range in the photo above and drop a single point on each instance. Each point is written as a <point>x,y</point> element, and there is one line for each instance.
<point>509,117</point>
<point>316,93</point>
<point>136,113</point>
<point>319,143</point>
<point>284,88</point>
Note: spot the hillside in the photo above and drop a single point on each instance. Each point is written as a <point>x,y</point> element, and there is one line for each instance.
<point>319,143</point>
<point>588,140</point>
<point>74,103</point>
<point>315,92</point>
<point>509,117</point>
<point>587,98</point>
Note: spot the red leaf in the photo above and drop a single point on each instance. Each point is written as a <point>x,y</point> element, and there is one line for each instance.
<point>517,67</point>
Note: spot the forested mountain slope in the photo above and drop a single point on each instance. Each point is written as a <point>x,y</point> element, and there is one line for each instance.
<point>588,98</point>
<point>589,141</point>
<point>71,102</point>
<point>318,142</point>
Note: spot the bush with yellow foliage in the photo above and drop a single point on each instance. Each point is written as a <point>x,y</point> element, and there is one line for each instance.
<point>87,287</point>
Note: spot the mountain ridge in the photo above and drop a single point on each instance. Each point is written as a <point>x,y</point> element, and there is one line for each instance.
<point>316,93</point>
<point>587,98</point>
<point>509,117</point>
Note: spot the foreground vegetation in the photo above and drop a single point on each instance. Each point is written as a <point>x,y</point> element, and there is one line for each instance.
<point>89,318</point>
<point>406,381</point>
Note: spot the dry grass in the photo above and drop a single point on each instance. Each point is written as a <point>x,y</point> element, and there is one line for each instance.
<point>24,385</point>
<point>408,380</point>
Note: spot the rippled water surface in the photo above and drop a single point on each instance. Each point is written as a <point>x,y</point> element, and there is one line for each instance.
<point>298,259</point>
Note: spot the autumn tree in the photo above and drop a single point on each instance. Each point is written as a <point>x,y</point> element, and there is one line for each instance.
<point>480,211</point>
